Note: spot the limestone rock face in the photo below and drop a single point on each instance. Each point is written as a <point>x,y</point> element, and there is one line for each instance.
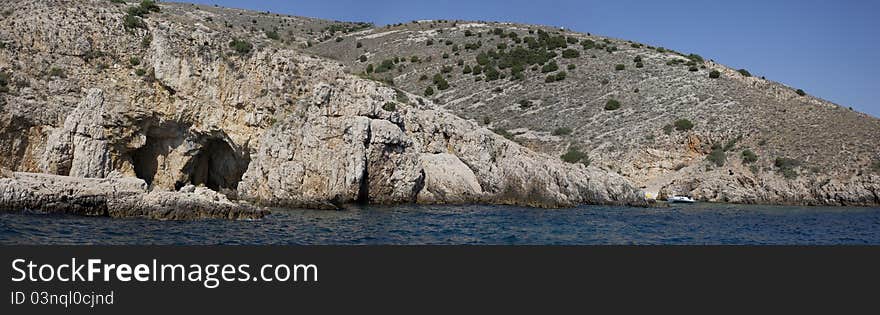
<point>203,127</point>
<point>341,146</point>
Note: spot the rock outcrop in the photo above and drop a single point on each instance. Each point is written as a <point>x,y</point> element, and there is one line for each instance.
<point>181,120</point>
<point>114,197</point>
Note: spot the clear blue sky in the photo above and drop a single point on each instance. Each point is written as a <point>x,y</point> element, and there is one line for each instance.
<point>831,49</point>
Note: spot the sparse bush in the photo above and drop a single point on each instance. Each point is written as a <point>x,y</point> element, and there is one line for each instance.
<point>744,72</point>
<point>749,157</point>
<point>550,67</point>
<point>504,133</point>
<point>562,131</point>
<point>429,91</point>
<point>574,155</point>
<point>359,45</point>
<point>131,22</point>
<point>385,66</point>
<point>118,1</point>
<point>273,35</point>
<point>524,104</point>
<point>570,53</point>
<point>441,82</point>
<point>140,72</point>
<point>637,59</point>
<point>683,125</point>
<point>561,75</point>
<point>714,74</point>
<point>5,78</point>
<point>612,104</point>
<point>800,92</point>
<point>572,67</point>
<point>787,166</point>
<point>695,58</point>
<point>876,166</point>
<point>57,72</point>
<point>363,58</point>
<point>241,47</point>
<point>134,61</point>
<point>667,129</point>
<point>640,65</point>
<point>693,69</point>
<point>717,156</point>
<point>429,42</point>
<point>467,69</point>
<point>468,33</point>
<point>369,68</point>
<point>339,39</point>
<point>390,106</point>
<point>619,67</point>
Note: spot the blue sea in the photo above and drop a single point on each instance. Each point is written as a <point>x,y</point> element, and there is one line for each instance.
<point>697,224</point>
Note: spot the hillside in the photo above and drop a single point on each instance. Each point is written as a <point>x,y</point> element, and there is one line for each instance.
<point>661,118</point>
<point>153,109</point>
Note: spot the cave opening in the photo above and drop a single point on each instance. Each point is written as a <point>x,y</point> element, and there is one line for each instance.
<point>217,166</point>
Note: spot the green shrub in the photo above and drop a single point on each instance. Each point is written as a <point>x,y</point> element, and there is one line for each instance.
<point>693,69</point>
<point>550,67</point>
<point>492,74</point>
<point>429,42</point>
<point>524,104</point>
<point>550,78</point>
<point>876,167</point>
<point>468,33</point>
<point>150,5</point>
<point>359,45</point>
<point>695,58</point>
<point>570,53</point>
<point>717,156</point>
<point>749,157</point>
<point>385,66</point>
<point>273,35</point>
<point>562,131</point>
<point>118,1</point>
<point>362,58</point>
<point>390,106</point>
<point>5,79</point>
<point>637,59</point>
<point>800,92</point>
<point>640,65</point>
<point>429,91</point>
<point>504,133</point>
<point>446,69</point>
<point>683,125</point>
<point>787,166</point>
<point>57,72</point>
<point>134,61</point>
<point>744,72</point>
<point>561,75</point>
<point>619,67</point>
<point>140,72</point>
<point>667,129</point>
<point>241,47</point>
<point>369,68</point>
<point>612,104</point>
<point>467,69</point>
<point>131,22</point>
<point>574,155</point>
<point>572,67</point>
<point>714,74</point>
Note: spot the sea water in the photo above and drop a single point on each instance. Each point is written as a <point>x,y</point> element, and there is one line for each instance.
<point>702,223</point>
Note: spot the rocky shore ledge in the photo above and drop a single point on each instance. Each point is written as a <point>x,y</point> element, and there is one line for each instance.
<point>114,197</point>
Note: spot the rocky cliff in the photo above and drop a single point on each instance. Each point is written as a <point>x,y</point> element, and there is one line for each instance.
<point>177,96</point>
<point>670,122</point>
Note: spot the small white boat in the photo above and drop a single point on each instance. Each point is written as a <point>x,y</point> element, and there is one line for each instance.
<point>681,199</point>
